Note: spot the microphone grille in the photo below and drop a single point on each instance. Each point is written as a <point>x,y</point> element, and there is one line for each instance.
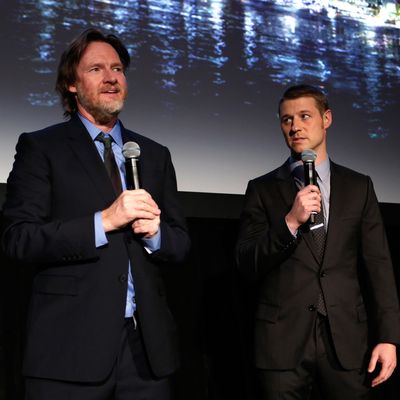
<point>308,155</point>
<point>131,150</point>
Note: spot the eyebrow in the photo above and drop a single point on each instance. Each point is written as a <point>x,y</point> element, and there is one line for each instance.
<point>102,63</point>
<point>298,112</point>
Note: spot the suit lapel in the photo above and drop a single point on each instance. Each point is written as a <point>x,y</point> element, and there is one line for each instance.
<point>286,185</point>
<point>336,205</point>
<point>85,150</point>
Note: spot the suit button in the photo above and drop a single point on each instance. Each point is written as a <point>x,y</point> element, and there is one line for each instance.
<point>311,307</point>
<point>322,274</point>
<point>122,278</point>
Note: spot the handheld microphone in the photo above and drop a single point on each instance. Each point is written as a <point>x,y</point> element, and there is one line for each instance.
<point>310,177</point>
<point>131,152</point>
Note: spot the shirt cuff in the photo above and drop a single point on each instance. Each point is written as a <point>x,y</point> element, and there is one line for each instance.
<point>294,234</point>
<point>100,235</point>
<point>152,244</point>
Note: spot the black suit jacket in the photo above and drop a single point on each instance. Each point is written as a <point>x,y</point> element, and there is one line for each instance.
<point>356,269</point>
<point>79,291</point>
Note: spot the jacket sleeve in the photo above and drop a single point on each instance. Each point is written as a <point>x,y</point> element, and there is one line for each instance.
<point>378,266</point>
<point>29,232</point>
<point>175,242</point>
<point>264,240</point>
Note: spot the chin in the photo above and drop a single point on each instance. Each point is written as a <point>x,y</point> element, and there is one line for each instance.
<point>298,149</point>
<point>114,108</point>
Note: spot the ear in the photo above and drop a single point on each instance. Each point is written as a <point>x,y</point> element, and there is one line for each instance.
<point>72,88</point>
<point>327,119</point>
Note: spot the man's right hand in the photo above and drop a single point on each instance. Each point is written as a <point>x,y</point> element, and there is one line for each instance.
<point>307,200</point>
<point>129,206</point>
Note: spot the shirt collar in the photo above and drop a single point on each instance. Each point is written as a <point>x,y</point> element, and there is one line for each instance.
<point>93,130</point>
<point>324,169</point>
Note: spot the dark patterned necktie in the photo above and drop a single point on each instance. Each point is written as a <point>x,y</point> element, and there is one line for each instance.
<point>110,163</point>
<point>319,234</point>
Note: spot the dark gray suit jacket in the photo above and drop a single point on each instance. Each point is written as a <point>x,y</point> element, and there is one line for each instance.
<point>356,269</point>
<point>77,305</point>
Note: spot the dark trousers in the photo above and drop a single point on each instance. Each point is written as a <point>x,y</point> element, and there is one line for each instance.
<point>319,367</point>
<point>130,378</point>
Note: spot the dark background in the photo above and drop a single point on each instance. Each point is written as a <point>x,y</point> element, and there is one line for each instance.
<point>211,303</point>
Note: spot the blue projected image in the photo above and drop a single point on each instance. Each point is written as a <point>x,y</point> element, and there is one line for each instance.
<point>207,75</point>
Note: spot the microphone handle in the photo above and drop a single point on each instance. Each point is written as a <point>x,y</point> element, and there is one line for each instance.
<point>310,178</point>
<point>309,173</point>
<point>132,173</point>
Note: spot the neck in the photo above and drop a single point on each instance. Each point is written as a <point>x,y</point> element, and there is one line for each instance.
<point>320,158</point>
<point>104,124</point>
<point>104,127</point>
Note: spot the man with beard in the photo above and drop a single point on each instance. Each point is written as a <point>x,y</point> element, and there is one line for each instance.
<point>99,326</point>
<point>327,311</point>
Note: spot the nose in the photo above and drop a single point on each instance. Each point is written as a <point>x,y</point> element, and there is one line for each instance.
<point>294,128</point>
<point>110,76</point>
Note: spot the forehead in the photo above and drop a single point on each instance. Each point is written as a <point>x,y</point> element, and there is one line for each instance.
<point>99,52</point>
<point>301,104</point>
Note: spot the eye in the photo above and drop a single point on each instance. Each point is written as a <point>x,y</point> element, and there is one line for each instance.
<point>286,120</point>
<point>117,69</point>
<point>94,69</point>
<point>306,116</point>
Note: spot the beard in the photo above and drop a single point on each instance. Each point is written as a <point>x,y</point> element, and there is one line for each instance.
<point>102,111</point>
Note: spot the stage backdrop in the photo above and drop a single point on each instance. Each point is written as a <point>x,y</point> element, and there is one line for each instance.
<point>206,78</point>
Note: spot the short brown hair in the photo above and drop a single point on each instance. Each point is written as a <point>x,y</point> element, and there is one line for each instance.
<point>66,74</point>
<point>297,91</point>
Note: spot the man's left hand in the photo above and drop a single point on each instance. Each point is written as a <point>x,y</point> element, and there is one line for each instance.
<point>385,354</point>
<point>146,227</point>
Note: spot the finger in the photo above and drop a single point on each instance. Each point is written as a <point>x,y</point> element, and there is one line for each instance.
<point>384,374</point>
<point>145,227</point>
<point>372,362</point>
<point>382,377</point>
<point>143,215</point>
<point>139,203</point>
<point>387,368</point>
<point>138,208</point>
<point>146,197</point>
<point>312,189</point>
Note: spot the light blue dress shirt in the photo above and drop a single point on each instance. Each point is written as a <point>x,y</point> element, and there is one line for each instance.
<point>152,244</point>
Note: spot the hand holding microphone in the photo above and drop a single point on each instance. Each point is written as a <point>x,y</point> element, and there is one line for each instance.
<point>307,199</point>
<point>147,227</point>
<point>134,206</point>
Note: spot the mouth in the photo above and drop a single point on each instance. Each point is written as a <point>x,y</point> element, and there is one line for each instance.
<point>298,139</point>
<point>110,91</point>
